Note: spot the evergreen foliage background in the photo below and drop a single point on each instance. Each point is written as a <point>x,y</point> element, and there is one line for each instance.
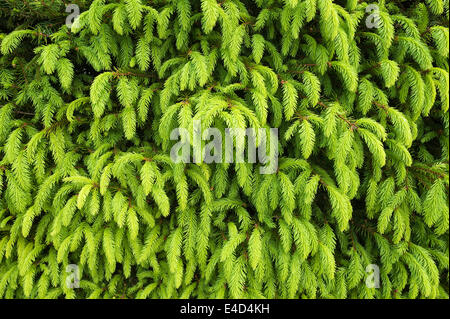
<point>86,177</point>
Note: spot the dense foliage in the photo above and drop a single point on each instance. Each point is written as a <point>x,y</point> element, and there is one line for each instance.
<point>86,177</point>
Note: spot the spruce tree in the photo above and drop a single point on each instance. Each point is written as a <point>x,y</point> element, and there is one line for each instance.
<point>360,99</point>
